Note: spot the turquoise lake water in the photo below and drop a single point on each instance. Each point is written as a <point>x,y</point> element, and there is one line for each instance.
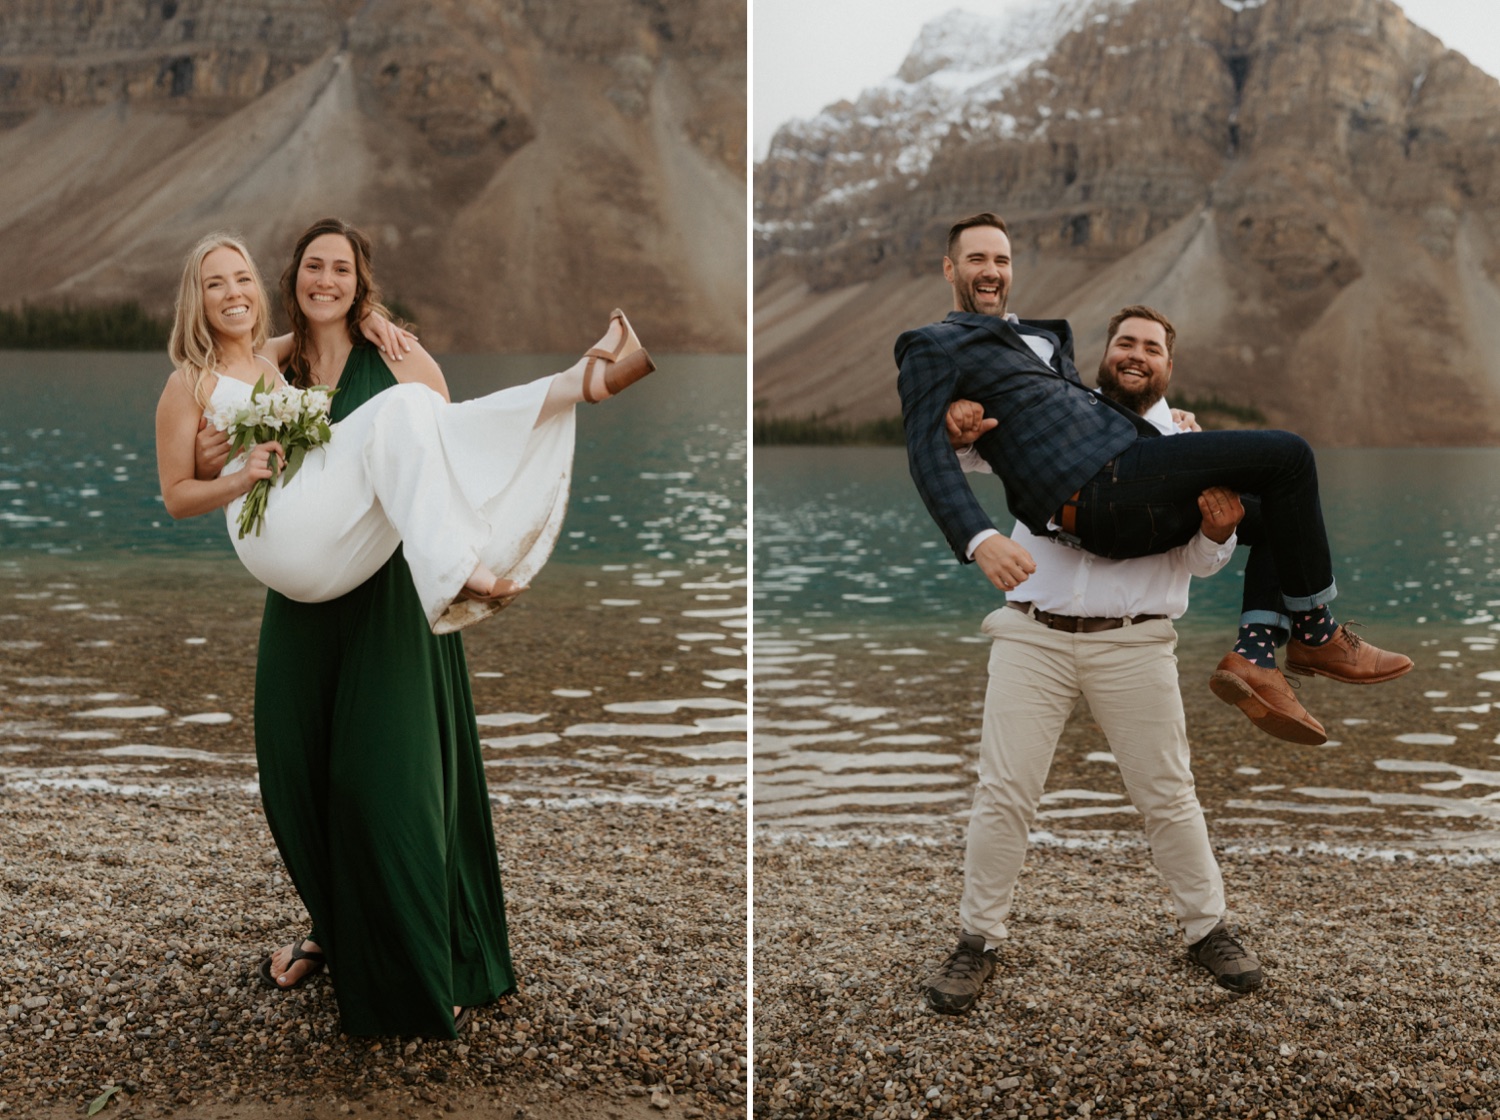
<point>661,469</point>
<point>842,538</point>
<point>655,543</point>
<point>869,664</point>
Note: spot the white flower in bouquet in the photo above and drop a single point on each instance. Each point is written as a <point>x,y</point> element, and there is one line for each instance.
<point>296,418</point>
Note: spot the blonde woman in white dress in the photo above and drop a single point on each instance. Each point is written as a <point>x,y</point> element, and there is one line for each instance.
<point>475,491</point>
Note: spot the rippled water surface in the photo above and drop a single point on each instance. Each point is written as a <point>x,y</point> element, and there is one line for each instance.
<point>653,552</point>
<point>661,469</point>
<point>870,670</point>
<point>842,539</point>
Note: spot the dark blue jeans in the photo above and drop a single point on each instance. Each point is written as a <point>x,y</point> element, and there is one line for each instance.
<point>1146,502</point>
<point>1261,601</point>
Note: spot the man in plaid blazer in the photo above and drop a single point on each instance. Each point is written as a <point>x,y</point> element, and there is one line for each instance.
<point>1082,469</point>
<point>1102,630</point>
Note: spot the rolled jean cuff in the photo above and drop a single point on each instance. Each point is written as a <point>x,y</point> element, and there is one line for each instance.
<point>1312,602</point>
<point>1267,618</point>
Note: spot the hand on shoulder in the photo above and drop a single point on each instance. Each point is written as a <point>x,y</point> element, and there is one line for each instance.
<point>417,366</point>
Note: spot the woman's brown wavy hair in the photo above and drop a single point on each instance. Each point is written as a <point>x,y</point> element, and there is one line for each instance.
<point>366,294</point>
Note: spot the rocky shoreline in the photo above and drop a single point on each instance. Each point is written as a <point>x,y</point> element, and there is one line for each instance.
<point>1379,1000</point>
<point>1366,888</point>
<point>140,891</point>
<point>138,922</point>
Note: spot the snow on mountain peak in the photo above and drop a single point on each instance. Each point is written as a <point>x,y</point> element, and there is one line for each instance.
<point>960,42</point>
<point>956,75</point>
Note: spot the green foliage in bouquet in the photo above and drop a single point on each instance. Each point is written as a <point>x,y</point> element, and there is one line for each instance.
<point>295,418</point>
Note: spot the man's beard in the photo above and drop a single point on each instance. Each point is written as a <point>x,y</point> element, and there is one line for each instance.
<point>966,298</point>
<point>1137,400</point>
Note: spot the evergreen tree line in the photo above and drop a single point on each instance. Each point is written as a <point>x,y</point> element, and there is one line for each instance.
<point>822,430</point>
<point>104,326</point>
<point>1213,412</point>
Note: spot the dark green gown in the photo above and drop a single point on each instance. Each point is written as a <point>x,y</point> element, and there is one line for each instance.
<point>373,785</point>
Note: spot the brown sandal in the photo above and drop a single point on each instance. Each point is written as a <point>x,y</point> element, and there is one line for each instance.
<point>318,963</point>
<point>626,364</point>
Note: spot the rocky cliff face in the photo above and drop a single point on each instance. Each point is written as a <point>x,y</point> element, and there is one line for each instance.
<point>522,165</point>
<point>1307,187</point>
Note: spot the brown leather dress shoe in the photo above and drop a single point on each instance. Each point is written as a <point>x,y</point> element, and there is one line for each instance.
<point>1346,657</point>
<point>1265,697</point>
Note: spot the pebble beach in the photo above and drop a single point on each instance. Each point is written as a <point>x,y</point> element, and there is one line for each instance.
<point>1362,873</point>
<point>1380,998</point>
<point>138,921</point>
<point>140,889</point>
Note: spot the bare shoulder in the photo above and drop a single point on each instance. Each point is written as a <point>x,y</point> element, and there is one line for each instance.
<point>177,394</point>
<point>178,415</point>
<point>277,350</point>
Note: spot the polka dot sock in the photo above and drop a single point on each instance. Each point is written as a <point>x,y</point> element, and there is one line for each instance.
<point>1257,644</point>
<point>1315,627</point>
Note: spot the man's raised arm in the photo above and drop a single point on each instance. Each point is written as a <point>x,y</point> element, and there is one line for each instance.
<point>927,384</point>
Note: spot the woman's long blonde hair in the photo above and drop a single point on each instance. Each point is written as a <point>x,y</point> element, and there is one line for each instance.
<point>191,346</point>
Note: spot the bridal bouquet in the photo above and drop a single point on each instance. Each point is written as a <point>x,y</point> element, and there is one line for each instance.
<point>296,418</point>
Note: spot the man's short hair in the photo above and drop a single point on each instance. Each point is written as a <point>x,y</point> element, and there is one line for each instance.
<point>1141,311</point>
<point>984,219</point>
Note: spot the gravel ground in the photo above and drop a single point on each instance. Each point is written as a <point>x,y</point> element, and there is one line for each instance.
<point>135,925</point>
<point>1379,1000</point>
<point>133,915</point>
<point>1372,911</point>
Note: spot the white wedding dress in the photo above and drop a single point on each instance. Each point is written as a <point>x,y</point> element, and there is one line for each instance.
<point>464,484</point>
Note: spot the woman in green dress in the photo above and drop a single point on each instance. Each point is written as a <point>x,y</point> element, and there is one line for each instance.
<point>370,766</point>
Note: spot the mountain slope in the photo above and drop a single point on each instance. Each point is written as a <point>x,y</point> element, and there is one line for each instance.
<point>1306,186</point>
<point>522,168</point>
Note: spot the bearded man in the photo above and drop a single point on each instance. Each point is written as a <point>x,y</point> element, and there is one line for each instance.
<point>1084,469</point>
<point>1081,625</point>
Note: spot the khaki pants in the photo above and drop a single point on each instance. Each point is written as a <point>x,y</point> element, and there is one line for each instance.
<point>1129,677</point>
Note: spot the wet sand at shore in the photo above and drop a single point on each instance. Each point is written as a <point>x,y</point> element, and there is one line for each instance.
<point>181,638</point>
<point>141,888</point>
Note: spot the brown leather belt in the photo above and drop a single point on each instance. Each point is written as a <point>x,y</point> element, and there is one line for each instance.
<point>1073,624</point>
<point>1067,517</point>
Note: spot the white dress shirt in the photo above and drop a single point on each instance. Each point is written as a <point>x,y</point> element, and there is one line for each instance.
<point>1074,582</point>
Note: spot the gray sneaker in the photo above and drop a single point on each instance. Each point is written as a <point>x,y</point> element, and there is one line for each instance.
<point>1233,966</point>
<point>955,986</point>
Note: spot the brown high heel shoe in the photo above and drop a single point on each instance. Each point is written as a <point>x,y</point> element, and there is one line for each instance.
<point>626,364</point>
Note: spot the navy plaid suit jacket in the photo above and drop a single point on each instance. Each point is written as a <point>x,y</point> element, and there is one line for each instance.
<point>1054,434</point>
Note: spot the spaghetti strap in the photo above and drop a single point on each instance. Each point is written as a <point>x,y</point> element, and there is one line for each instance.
<point>280,379</point>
